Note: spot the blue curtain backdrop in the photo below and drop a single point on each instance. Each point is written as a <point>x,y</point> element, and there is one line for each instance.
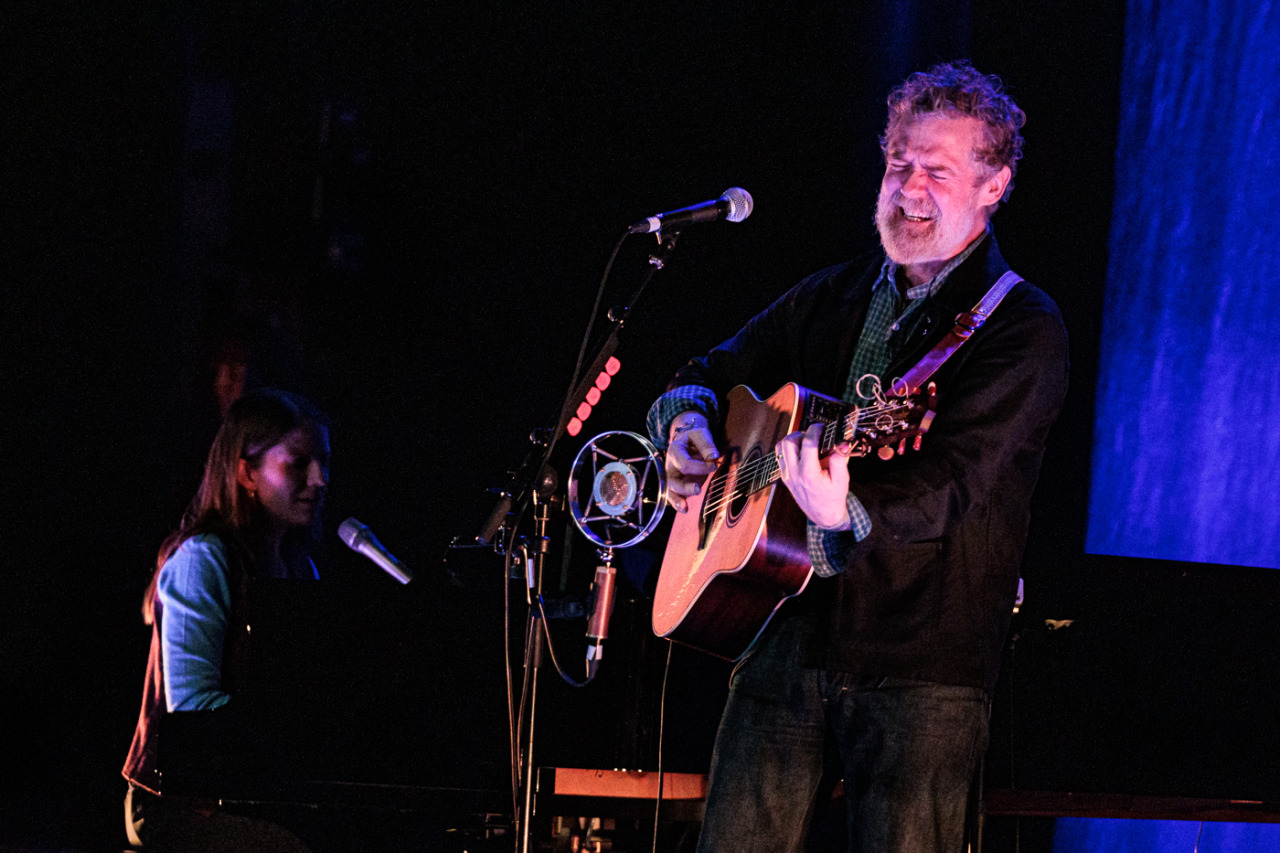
<point>1078,835</point>
<point>1187,441</point>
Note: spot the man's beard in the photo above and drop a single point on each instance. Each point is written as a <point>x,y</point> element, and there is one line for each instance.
<point>906,243</point>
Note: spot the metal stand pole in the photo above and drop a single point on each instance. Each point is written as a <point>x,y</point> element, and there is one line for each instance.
<point>536,640</point>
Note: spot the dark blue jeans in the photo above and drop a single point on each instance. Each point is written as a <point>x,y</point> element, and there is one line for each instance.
<point>908,752</point>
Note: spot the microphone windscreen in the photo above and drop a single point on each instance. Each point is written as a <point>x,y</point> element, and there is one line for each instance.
<point>352,531</point>
<point>740,204</point>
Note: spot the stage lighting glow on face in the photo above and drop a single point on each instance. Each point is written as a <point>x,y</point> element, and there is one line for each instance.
<point>617,489</point>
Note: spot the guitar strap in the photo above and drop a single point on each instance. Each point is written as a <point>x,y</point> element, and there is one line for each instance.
<point>967,323</point>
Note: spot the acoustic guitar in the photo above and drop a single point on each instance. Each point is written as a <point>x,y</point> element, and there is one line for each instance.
<point>739,551</point>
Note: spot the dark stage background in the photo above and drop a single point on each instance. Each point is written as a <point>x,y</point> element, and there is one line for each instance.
<point>403,210</point>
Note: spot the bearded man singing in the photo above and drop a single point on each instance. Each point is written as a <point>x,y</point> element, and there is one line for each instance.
<point>880,672</point>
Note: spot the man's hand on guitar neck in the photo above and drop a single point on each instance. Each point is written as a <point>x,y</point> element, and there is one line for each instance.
<point>821,491</point>
<point>691,457</point>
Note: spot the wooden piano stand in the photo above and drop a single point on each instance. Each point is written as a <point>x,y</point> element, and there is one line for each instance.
<point>588,809</point>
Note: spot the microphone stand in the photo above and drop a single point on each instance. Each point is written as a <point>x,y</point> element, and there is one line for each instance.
<point>536,641</point>
<point>520,490</point>
<point>515,494</point>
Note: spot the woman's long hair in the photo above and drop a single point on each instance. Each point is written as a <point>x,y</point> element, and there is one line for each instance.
<point>254,424</point>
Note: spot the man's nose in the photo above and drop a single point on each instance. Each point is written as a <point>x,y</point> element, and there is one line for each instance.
<point>915,184</point>
<point>317,475</point>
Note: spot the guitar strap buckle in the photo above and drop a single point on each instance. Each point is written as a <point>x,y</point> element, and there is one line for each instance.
<point>968,322</point>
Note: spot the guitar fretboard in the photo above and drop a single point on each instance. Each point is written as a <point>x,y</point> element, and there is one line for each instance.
<point>866,422</point>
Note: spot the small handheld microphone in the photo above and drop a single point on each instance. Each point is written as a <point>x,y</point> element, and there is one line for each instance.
<point>360,538</point>
<point>734,205</point>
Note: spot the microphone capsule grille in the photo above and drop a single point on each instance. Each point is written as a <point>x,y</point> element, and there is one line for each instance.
<point>352,531</point>
<point>614,489</point>
<point>740,204</point>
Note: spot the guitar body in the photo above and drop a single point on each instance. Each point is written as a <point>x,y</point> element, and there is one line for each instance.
<point>728,570</point>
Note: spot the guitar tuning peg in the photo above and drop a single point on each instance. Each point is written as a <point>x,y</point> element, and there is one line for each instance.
<point>915,445</point>
<point>902,447</point>
<point>885,452</point>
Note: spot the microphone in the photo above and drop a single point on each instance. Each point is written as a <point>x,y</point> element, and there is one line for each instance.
<point>496,519</point>
<point>601,608</point>
<point>735,205</point>
<point>360,539</point>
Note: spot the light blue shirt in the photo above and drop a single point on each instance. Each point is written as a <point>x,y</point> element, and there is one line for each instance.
<point>195,594</point>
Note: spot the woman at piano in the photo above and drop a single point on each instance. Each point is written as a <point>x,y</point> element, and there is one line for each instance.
<point>255,514</point>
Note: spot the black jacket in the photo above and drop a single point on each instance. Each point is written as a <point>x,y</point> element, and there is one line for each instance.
<point>929,593</point>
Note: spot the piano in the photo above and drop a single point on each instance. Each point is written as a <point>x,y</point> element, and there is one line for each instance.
<point>373,718</point>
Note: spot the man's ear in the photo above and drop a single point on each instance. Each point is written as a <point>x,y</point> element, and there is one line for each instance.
<point>245,476</point>
<point>993,187</point>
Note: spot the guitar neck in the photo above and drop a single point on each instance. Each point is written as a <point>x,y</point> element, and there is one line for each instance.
<point>766,471</point>
<point>864,427</point>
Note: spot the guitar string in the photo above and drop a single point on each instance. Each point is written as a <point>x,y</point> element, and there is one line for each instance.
<point>768,467</point>
<point>768,464</point>
<point>758,474</point>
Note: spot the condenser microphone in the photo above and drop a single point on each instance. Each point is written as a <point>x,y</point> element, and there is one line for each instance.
<point>360,539</point>
<point>601,609</point>
<point>735,205</point>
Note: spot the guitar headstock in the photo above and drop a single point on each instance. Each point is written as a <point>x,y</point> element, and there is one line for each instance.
<point>890,423</point>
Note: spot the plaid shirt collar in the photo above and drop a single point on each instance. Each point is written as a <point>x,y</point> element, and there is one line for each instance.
<point>889,270</point>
